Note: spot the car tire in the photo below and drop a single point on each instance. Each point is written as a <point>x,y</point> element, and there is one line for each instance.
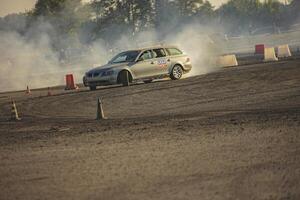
<point>92,88</point>
<point>176,72</point>
<point>124,78</point>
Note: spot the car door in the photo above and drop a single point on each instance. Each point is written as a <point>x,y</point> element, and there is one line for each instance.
<point>144,66</point>
<point>161,61</point>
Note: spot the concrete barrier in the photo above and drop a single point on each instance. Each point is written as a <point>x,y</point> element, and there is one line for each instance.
<point>70,84</point>
<point>260,49</point>
<point>270,55</point>
<point>227,61</point>
<point>284,51</point>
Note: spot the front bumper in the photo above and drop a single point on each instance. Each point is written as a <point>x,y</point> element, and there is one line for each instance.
<point>187,67</point>
<point>99,81</point>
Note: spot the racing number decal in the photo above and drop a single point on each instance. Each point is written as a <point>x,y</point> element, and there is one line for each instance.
<point>162,63</point>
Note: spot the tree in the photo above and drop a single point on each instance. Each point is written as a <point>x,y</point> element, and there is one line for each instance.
<point>48,7</point>
<point>188,8</point>
<point>14,22</point>
<point>206,12</point>
<point>66,15</point>
<point>245,15</point>
<point>294,8</point>
<point>126,16</point>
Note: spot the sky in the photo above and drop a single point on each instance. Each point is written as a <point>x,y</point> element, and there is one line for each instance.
<point>16,6</point>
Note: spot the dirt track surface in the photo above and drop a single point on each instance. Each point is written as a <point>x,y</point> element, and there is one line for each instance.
<point>232,134</point>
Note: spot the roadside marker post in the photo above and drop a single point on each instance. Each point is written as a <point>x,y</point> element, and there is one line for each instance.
<point>100,112</point>
<point>14,112</point>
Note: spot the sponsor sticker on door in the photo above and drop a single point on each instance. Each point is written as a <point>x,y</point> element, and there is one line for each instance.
<point>162,63</point>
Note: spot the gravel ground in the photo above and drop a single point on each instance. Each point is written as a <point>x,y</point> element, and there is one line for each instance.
<point>232,134</point>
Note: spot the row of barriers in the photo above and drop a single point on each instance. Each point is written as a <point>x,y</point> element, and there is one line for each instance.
<point>283,51</point>
<point>269,54</point>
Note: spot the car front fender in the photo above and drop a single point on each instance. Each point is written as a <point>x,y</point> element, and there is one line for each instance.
<point>124,68</point>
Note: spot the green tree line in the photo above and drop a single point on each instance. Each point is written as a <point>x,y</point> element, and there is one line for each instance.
<point>73,22</point>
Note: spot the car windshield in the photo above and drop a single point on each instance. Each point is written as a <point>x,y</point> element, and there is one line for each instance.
<point>128,56</point>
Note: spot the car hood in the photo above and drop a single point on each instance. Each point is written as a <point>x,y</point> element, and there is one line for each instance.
<point>108,67</point>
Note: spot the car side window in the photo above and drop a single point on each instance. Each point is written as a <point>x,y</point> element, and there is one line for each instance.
<point>146,55</point>
<point>159,53</point>
<point>174,51</point>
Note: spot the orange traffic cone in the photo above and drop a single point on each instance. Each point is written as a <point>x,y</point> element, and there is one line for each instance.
<point>14,112</point>
<point>28,90</point>
<point>49,92</point>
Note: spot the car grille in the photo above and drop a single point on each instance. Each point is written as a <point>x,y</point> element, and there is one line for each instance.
<point>95,74</point>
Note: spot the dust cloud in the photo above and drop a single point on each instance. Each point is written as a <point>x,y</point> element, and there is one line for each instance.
<point>31,61</point>
<point>195,41</point>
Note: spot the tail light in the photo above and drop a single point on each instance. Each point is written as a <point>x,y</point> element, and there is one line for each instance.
<point>188,60</point>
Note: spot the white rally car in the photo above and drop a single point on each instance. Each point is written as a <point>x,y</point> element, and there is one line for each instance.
<point>144,64</point>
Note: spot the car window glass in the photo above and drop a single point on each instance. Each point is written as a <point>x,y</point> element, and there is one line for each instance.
<point>174,51</point>
<point>120,59</point>
<point>146,55</point>
<point>158,53</point>
<point>128,56</point>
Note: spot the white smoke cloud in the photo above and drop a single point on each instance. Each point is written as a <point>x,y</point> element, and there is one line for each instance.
<point>22,61</point>
<point>30,60</point>
<point>196,43</point>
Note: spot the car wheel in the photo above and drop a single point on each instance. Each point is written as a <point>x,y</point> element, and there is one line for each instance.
<point>93,88</point>
<point>84,82</point>
<point>176,73</point>
<point>124,78</point>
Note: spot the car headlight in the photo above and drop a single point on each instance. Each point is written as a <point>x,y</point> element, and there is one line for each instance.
<point>88,75</point>
<point>108,73</point>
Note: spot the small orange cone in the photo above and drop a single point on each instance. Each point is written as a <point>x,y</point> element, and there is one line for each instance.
<point>49,92</point>
<point>28,90</point>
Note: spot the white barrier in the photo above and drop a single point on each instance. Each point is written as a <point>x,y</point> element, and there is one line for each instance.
<point>284,51</point>
<point>270,55</point>
<point>227,61</point>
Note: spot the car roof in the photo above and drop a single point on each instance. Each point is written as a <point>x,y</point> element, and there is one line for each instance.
<point>154,47</point>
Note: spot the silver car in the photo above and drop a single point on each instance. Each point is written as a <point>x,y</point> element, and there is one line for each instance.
<point>144,65</point>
